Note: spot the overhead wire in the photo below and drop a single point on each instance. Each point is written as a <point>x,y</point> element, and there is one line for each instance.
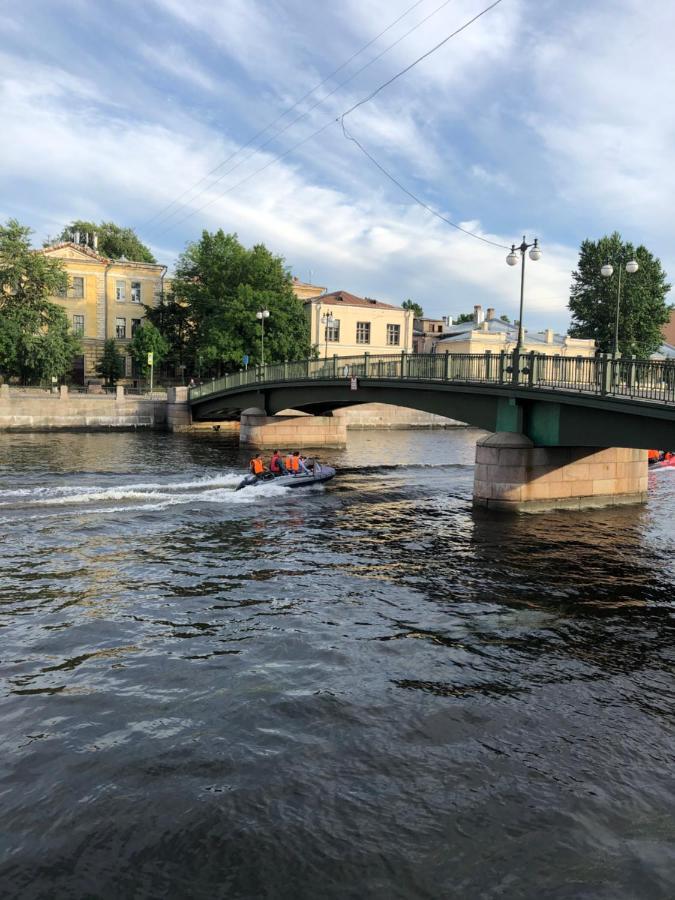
<point>405,190</point>
<point>339,119</point>
<point>277,134</point>
<point>271,124</point>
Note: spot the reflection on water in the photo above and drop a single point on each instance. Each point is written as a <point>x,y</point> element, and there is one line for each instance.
<point>366,690</point>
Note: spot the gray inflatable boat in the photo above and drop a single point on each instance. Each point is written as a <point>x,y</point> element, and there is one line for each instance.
<point>318,475</point>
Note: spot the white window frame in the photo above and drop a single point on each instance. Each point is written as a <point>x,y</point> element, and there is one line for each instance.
<point>72,293</point>
<point>79,327</point>
<point>333,332</point>
<point>119,336</point>
<point>393,328</point>
<point>363,332</point>
<point>120,290</point>
<point>135,325</point>
<point>135,291</point>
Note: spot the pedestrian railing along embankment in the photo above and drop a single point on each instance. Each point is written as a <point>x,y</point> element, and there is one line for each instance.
<point>604,375</point>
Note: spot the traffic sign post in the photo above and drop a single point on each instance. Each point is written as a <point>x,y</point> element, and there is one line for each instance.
<point>245,361</point>
<point>151,363</point>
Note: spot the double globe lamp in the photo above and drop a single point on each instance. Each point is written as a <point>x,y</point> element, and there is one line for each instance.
<point>262,314</point>
<point>607,271</point>
<point>512,260</point>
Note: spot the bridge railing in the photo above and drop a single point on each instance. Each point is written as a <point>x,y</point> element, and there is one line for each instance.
<point>603,375</point>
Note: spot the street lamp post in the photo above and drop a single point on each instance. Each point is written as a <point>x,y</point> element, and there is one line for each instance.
<point>512,260</point>
<point>607,271</point>
<point>327,321</point>
<point>262,314</point>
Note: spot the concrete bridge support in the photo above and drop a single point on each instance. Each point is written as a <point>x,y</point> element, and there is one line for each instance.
<point>178,414</point>
<point>513,475</point>
<point>292,432</point>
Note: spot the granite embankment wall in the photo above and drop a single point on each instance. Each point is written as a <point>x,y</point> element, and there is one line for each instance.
<point>35,410</point>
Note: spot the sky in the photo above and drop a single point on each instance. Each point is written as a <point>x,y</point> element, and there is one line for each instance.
<point>545,119</point>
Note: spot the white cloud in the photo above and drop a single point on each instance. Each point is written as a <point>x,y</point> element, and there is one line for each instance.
<point>173,59</point>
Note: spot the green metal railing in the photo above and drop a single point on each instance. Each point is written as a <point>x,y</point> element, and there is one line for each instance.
<point>638,379</point>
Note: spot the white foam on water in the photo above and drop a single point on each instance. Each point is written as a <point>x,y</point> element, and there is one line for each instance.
<point>216,490</point>
<point>69,495</point>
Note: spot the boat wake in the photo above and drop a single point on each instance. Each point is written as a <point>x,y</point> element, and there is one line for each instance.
<point>133,497</point>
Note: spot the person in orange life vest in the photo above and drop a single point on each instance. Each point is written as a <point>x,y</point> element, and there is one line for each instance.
<point>293,462</point>
<point>653,455</point>
<point>256,465</point>
<point>277,466</point>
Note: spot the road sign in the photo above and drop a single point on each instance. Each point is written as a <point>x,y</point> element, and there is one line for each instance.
<point>245,359</point>
<point>354,383</point>
<point>151,357</point>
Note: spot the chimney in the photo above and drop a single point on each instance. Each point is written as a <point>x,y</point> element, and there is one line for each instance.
<point>549,335</point>
<point>448,321</point>
<point>445,320</point>
<point>490,313</point>
<point>478,316</point>
<point>94,241</point>
<point>76,237</point>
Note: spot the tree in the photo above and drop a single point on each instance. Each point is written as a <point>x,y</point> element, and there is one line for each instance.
<point>114,241</point>
<point>210,317</point>
<point>36,342</point>
<point>464,317</point>
<point>593,299</point>
<point>147,339</point>
<point>505,318</point>
<point>415,308</point>
<point>111,364</point>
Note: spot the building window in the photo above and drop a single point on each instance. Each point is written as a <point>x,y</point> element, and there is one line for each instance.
<point>135,325</point>
<point>120,291</point>
<point>393,335</point>
<point>78,325</point>
<point>333,331</point>
<point>363,332</point>
<point>135,292</point>
<point>121,328</point>
<point>77,289</point>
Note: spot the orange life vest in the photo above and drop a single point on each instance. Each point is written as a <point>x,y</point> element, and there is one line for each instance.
<point>292,463</point>
<point>257,466</point>
<point>653,454</point>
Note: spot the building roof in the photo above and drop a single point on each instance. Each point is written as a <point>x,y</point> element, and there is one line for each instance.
<point>344,298</point>
<point>85,250</point>
<point>665,351</point>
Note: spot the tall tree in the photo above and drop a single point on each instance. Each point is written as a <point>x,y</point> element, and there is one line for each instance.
<point>111,364</point>
<point>114,240</point>
<point>643,309</point>
<point>464,317</point>
<point>147,339</point>
<point>36,342</point>
<point>414,307</point>
<point>218,287</point>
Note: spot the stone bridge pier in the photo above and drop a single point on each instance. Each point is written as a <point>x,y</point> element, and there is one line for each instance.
<point>514,475</point>
<point>291,430</point>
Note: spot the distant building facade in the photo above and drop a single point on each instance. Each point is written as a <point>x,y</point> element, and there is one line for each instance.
<point>668,330</point>
<point>487,333</point>
<point>427,332</point>
<point>105,298</point>
<point>303,290</point>
<point>343,324</point>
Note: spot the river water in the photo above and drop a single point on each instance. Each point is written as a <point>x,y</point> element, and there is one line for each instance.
<point>364,690</point>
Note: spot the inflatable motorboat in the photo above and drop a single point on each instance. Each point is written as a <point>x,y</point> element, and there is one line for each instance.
<point>318,475</point>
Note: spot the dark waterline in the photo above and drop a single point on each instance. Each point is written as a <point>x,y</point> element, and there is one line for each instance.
<point>367,690</point>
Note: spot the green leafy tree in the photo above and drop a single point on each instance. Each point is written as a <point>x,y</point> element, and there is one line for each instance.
<point>593,299</point>
<point>148,339</point>
<point>464,317</point>
<point>505,318</point>
<point>114,241</point>
<point>111,364</point>
<point>218,287</point>
<point>36,342</point>
<point>415,308</point>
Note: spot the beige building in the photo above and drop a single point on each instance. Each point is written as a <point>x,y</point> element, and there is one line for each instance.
<point>487,333</point>
<point>304,291</point>
<point>427,331</point>
<point>343,324</point>
<point>105,299</point>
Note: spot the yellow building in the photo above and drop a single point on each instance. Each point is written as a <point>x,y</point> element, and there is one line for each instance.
<point>304,291</point>
<point>106,298</point>
<point>343,324</point>
<point>487,333</point>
